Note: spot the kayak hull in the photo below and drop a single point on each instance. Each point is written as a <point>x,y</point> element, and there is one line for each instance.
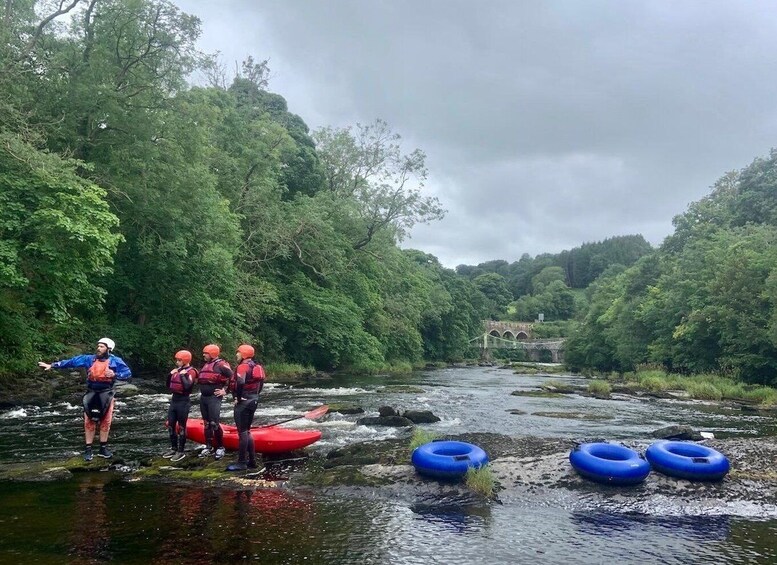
<point>266,440</point>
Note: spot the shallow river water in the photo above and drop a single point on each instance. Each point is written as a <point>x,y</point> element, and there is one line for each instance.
<point>98,517</point>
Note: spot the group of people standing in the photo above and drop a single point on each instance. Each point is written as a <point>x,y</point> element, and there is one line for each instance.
<point>215,380</point>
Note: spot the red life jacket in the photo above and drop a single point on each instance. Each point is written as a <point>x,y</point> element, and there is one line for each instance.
<point>209,374</point>
<point>254,376</point>
<point>176,380</point>
<point>96,372</point>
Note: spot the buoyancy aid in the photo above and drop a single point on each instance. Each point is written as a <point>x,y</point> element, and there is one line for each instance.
<point>210,375</point>
<point>97,372</point>
<point>254,375</point>
<point>176,380</point>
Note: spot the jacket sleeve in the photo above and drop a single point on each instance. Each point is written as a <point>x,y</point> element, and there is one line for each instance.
<point>225,371</point>
<point>77,362</point>
<point>119,367</point>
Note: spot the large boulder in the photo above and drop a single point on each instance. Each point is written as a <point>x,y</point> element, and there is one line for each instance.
<point>345,408</point>
<point>393,421</point>
<point>677,432</point>
<point>386,411</point>
<point>420,416</point>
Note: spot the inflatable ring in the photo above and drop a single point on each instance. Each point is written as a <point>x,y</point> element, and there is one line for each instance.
<point>447,459</point>
<point>609,463</point>
<point>687,460</point>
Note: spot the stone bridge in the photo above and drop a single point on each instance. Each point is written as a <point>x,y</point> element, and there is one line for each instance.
<point>518,335</point>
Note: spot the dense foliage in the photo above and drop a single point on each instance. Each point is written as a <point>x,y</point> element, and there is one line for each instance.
<point>706,300</point>
<point>542,285</point>
<point>169,216</point>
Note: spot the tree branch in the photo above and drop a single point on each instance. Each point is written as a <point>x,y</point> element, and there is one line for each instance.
<point>39,28</point>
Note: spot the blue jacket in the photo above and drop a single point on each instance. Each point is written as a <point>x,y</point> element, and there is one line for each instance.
<point>116,364</point>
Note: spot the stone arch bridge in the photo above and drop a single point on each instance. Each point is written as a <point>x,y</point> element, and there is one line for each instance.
<point>518,335</point>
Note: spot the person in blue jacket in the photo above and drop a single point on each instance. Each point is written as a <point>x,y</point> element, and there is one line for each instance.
<point>102,370</point>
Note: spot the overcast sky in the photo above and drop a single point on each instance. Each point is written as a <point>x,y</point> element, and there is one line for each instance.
<point>546,124</point>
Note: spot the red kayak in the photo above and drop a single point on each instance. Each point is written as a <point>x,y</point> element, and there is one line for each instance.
<point>266,440</point>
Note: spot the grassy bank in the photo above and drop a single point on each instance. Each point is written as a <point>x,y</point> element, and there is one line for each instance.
<point>701,386</point>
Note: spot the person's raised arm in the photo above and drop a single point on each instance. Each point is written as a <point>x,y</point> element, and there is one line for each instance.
<point>77,362</point>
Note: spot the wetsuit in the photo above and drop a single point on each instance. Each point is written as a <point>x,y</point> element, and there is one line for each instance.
<point>180,382</point>
<point>213,375</point>
<point>246,386</point>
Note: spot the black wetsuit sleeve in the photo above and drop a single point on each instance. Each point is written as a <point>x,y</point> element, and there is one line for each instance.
<point>225,371</point>
<point>187,381</point>
<point>239,387</point>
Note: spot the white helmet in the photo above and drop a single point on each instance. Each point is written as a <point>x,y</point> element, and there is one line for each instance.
<point>107,342</point>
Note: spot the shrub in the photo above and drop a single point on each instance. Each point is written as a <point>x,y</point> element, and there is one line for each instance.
<point>654,383</point>
<point>704,391</point>
<point>765,396</point>
<point>481,481</point>
<point>600,388</point>
<point>420,437</point>
<point>287,370</point>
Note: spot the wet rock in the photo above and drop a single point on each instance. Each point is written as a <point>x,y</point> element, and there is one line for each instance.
<point>346,408</point>
<point>537,394</point>
<point>53,474</point>
<point>677,433</point>
<point>127,390</point>
<point>516,412</point>
<point>574,415</point>
<point>390,452</point>
<point>401,389</point>
<point>386,411</point>
<point>559,388</point>
<point>420,416</point>
<point>393,421</point>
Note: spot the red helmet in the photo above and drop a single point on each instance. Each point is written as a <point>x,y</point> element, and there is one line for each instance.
<point>246,351</point>
<point>212,350</point>
<point>185,356</point>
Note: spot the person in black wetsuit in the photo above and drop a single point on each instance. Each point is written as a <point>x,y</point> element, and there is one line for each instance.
<point>245,386</point>
<point>102,370</point>
<point>213,380</point>
<point>180,382</point>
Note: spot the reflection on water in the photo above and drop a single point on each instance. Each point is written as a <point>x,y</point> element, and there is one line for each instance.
<point>89,536</point>
<point>454,518</point>
<point>96,519</point>
<point>698,528</point>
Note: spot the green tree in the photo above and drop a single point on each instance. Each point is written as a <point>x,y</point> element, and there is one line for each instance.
<point>494,288</point>
<point>57,240</point>
<point>382,185</point>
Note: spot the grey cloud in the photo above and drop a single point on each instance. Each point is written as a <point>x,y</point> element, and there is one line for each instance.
<point>570,121</point>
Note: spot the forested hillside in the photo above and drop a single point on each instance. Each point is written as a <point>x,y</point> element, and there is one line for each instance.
<point>543,284</point>
<point>706,301</point>
<point>168,216</point>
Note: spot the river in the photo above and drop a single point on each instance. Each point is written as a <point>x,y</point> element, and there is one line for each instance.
<point>102,517</point>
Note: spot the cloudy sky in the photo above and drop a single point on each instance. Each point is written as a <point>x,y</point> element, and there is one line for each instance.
<point>545,124</point>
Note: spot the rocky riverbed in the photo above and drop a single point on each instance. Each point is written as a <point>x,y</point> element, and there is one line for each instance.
<point>522,467</point>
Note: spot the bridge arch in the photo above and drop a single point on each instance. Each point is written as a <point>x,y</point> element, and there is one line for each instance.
<point>509,335</point>
<point>521,336</point>
<point>494,333</point>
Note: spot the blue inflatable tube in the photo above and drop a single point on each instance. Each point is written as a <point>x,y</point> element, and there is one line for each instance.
<point>609,463</point>
<point>687,460</point>
<point>447,459</point>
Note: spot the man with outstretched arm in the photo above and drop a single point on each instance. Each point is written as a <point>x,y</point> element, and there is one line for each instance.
<point>102,370</point>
